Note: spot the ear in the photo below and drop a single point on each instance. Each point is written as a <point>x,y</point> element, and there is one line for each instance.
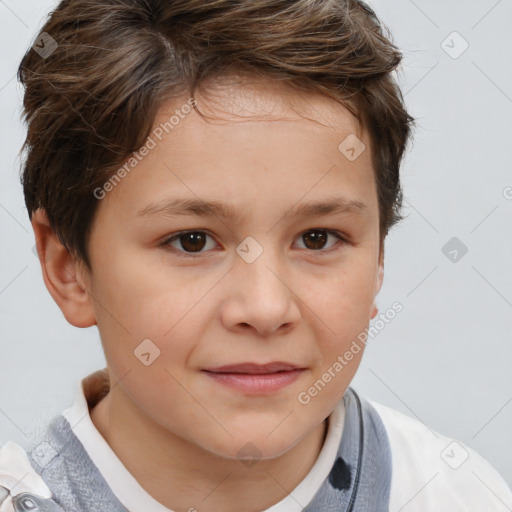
<point>378,282</point>
<point>64,278</point>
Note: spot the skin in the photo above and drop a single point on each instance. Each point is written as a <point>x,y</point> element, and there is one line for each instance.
<point>174,428</point>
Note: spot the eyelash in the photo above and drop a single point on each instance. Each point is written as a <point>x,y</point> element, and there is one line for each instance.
<point>336,247</point>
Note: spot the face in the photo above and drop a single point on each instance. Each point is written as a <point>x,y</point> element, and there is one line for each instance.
<point>178,293</point>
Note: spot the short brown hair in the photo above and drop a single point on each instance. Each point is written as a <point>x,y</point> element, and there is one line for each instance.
<point>92,102</point>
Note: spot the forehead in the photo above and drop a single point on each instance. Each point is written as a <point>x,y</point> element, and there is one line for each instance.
<point>234,99</point>
<point>256,143</point>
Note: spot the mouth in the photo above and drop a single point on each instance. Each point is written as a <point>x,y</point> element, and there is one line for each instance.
<point>254,368</point>
<point>256,378</point>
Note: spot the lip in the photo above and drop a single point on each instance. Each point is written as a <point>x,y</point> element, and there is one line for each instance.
<point>255,378</point>
<point>254,368</point>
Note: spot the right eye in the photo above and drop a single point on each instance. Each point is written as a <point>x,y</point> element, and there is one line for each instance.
<point>191,241</point>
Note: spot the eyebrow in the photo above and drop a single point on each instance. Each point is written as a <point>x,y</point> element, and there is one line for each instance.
<point>177,207</point>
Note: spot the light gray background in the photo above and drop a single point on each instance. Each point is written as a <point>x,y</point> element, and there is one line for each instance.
<point>447,357</point>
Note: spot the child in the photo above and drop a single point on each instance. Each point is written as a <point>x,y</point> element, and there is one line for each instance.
<point>269,133</point>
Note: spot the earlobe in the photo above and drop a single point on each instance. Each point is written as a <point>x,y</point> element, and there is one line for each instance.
<point>60,274</point>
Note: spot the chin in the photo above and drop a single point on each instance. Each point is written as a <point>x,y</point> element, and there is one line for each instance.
<point>254,446</point>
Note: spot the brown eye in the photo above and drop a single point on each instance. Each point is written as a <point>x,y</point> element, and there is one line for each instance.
<point>189,241</point>
<point>195,243</point>
<point>316,239</point>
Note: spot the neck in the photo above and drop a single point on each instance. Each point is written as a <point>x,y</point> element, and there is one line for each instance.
<point>181,475</point>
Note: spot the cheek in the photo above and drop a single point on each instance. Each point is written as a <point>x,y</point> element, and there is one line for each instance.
<point>341,310</point>
<point>342,300</point>
<point>145,299</point>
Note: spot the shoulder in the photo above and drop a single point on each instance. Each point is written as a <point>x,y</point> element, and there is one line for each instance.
<point>431,470</point>
<point>21,487</point>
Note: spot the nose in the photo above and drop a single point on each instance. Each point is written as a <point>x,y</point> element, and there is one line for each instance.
<point>260,296</point>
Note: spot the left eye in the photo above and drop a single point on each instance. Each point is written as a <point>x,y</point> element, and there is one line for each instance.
<point>318,237</point>
<point>192,242</point>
